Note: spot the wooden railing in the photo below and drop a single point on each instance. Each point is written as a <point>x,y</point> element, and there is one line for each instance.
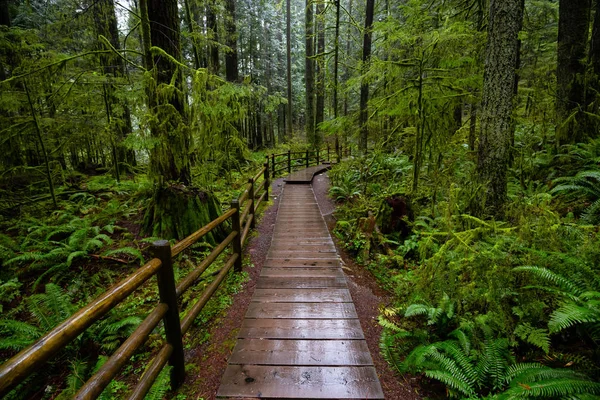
<point>289,161</point>
<point>242,217</point>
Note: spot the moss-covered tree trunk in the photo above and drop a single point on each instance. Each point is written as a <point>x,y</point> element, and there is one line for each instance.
<point>176,208</point>
<point>506,17</point>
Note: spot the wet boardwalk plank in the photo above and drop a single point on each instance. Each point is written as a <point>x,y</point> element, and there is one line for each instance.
<point>306,382</point>
<point>301,337</point>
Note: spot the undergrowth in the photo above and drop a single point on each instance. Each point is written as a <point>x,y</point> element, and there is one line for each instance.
<point>490,308</point>
<point>55,262</point>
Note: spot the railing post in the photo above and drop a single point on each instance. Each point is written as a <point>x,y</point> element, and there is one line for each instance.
<point>307,158</point>
<point>318,158</point>
<point>251,197</point>
<point>267,165</point>
<point>273,165</point>
<point>237,241</point>
<point>328,159</point>
<point>267,179</point>
<point>289,161</point>
<point>161,249</point>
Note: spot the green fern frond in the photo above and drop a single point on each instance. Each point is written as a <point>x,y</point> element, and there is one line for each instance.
<point>76,254</point>
<point>161,386</point>
<point>130,251</point>
<point>451,381</point>
<point>462,360</point>
<point>535,336</point>
<point>570,314</point>
<point>129,322</point>
<point>551,277</point>
<point>52,307</point>
<point>463,340</point>
<point>416,309</point>
<point>522,369</point>
<point>553,388</point>
<point>16,335</point>
<point>389,351</point>
<point>386,323</point>
<point>494,360</point>
<point>26,257</point>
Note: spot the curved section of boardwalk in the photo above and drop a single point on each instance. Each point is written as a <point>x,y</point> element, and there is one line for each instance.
<point>301,337</point>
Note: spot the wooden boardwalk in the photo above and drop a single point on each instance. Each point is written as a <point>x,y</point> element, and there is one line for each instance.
<point>306,175</point>
<point>301,337</point>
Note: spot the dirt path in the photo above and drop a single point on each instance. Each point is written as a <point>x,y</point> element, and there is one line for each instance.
<point>203,382</point>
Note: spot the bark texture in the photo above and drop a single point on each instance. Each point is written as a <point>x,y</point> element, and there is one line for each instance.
<point>105,21</point>
<point>497,129</point>
<point>310,73</point>
<point>573,30</point>
<point>320,86</point>
<point>288,35</point>
<point>231,57</point>
<point>364,86</point>
<point>213,47</point>
<point>169,158</point>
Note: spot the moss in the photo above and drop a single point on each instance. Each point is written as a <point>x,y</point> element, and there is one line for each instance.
<point>176,211</point>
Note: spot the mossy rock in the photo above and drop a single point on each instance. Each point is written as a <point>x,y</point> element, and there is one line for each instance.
<point>176,211</point>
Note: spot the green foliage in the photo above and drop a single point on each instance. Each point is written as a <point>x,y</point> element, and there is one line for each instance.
<point>51,249</point>
<point>474,361</point>
<point>584,185</point>
<point>535,336</point>
<point>579,295</point>
<point>161,386</point>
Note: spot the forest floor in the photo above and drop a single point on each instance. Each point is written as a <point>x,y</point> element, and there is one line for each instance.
<point>210,358</point>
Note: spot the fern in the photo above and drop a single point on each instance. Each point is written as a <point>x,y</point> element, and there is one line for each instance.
<point>579,305</point>
<point>16,335</point>
<point>535,336</point>
<point>161,386</point>
<point>51,308</point>
<point>567,285</point>
<point>130,251</point>
<point>552,388</point>
<point>570,314</point>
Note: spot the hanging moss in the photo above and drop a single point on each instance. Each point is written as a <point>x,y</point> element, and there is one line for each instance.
<point>175,211</point>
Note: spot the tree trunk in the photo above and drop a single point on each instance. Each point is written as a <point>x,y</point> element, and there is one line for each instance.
<point>4,15</point>
<point>231,57</point>
<point>320,86</point>
<point>189,19</point>
<point>573,27</point>
<point>592,97</point>
<point>348,42</point>
<point>113,66</point>
<point>336,58</point>
<point>310,74</point>
<point>506,18</point>
<point>169,159</point>
<point>288,41</point>
<point>213,37</point>
<point>364,86</point>
<point>176,209</point>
